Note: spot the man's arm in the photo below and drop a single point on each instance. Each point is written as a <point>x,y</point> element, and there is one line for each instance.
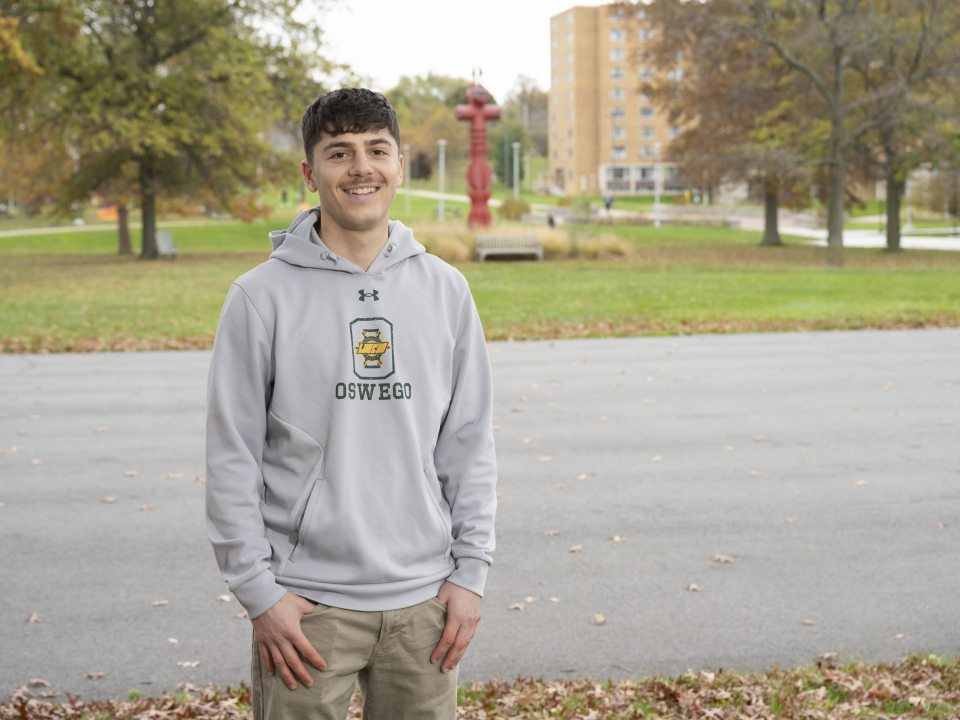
<point>239,387</point>
<point>467,468</point>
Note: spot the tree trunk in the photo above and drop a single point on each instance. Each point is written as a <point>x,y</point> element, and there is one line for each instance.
<point>148,210</point>
<point>837,165</point>
<point>771,204</point>
<point>895,189</point>
<point>123,230</point>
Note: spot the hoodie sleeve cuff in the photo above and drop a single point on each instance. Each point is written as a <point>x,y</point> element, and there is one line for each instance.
<point>470,574</point>
<point>259,594</point>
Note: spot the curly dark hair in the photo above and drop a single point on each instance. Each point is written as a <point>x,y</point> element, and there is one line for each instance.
<point>347,110</point>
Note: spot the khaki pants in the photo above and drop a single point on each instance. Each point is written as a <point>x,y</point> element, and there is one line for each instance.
<point>386,653</point>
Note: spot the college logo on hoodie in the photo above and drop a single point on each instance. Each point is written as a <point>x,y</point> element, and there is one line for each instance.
<point>372,343</point>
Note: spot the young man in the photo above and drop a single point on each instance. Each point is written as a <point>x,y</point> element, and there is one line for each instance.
<point>350,461</point>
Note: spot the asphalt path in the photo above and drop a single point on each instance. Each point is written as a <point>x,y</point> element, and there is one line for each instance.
<point>771,498</point>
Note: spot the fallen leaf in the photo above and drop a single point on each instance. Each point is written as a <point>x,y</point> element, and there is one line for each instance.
<point>791,519</point>
<point>827,659</point>
<point>36,461</point>
<point>807,621</point>
<point>145,508</point>
<point>516,410</point>
<point>34,618</point>
<point>755,473</point>
<point>527,440</point>
<point>188,663</point>
<point>719,559</point>
<point>103,429</point>
<point>649,401</point>
<point>617,538</point>
<point>656,458</point>
<point>49,693</point>
<point>174,476</point>
<point>693,587</point>
<point>730,448</point>
<point>759,438</point>
<point>108,499</point>
<point>38,682</point>
<point>544,458</point>
<point>530,599</point>
<point>603,418</point>
<point>554,599</point>
<point>2,504</point>
<point>21,433</point>
<point>95,675</point>
<point>199,480</point>
<point>172,641</point>
<point>899,636</point>
<point>552,533</point>
<point>241,615</point>
<point>888,386</point>
<point>34,417</point>
<point>130,473</point>
<point>862,483</point>
<point>160,603</point>
<point>938,526</point>
<point>575,549</point>
<point>582,476</point>
<point>599,619</point>
<point>224,598</point>
<point>523,398</point>
<point>517,606</point>
<point>946,423</point>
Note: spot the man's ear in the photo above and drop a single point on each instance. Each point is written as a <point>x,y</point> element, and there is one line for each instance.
<point>307,172</point>
<point>402,163</point>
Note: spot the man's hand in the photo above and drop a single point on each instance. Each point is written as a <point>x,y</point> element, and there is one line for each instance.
<point>281,641</point>
<point>463,614</point>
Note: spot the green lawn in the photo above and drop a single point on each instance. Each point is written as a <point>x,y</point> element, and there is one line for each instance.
<point>69,291</point>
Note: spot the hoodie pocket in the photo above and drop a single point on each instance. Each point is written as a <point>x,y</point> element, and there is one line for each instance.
<point>431,484</point>
<point>300,513</point>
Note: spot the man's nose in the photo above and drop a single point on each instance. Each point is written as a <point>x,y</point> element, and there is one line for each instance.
<point>360,165</point>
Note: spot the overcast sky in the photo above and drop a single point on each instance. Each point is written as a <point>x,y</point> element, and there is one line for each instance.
<point>384,39</point>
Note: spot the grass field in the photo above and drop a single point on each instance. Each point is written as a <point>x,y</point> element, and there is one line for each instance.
<point>69,291</point>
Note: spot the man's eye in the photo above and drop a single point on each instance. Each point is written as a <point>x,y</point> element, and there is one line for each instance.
<point>379,152</point>
<point>339,155</point>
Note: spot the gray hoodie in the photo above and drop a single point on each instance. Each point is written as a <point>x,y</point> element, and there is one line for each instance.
<point>350,453</point>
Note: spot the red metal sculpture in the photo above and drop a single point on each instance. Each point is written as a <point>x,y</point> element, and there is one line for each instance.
<point>478,111</point>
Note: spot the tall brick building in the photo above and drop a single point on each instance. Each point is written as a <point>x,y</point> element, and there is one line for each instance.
<point>603,133</point>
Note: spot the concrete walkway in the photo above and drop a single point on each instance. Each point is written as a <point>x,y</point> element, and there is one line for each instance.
<point>770,498</point>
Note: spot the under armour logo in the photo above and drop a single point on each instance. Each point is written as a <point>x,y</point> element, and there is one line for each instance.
<point>364,295</point>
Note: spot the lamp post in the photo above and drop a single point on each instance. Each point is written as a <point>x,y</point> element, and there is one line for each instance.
<point>516,170</point>
<point>406,176</point>
<point>443,171</point>
<point>656,186</point>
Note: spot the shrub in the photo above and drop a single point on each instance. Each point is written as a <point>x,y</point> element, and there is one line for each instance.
<point>513,209</point>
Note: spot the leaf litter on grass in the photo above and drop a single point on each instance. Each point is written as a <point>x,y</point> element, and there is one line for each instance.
<point>919,686</point>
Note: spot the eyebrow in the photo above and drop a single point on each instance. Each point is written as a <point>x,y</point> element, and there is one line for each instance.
<point>350,146</point>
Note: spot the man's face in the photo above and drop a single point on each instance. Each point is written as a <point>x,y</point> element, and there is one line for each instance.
<point>356,175</point>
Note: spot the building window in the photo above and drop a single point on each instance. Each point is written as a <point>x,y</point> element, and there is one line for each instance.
<point>570,114</point>
<point>570,76</point>
<point>617,73</point>
<point>641,14</point>
<point>570,38</point>
<point>570,153</point>
<point>674,132</point>
<point>646,132</point>
<point>646,112</point>
<point>618,152</point>
<point>646,151</point>
<point>616,94</point>
<point>616,35</point>
<point>619,133</point>
<point>617,54</point>
<point>569,132</point>
<point>618,112</point>
<point>570,18</point>
<point>570,96</point>
<point>646,34</point>
<point>570,57</point>
<point>675,75</point>
<point>646,74</point>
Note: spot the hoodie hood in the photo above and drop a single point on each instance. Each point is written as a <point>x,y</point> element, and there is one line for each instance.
<point>300,245</point>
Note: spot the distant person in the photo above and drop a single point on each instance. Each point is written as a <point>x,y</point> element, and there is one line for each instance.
<point>608,202</point>
<point>350,459</point>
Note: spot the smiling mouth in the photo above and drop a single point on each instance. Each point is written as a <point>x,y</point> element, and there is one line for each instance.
<point>362,190</point>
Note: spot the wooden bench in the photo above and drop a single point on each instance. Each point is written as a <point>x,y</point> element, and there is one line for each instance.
<point>165,245</point>
<point>512,245</point>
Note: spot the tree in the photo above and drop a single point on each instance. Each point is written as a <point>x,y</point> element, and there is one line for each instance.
<point>919,52</point>
<point>732,97</point>
<point>161,99</point>
<point>523,120</point>
<point>425,109</point>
